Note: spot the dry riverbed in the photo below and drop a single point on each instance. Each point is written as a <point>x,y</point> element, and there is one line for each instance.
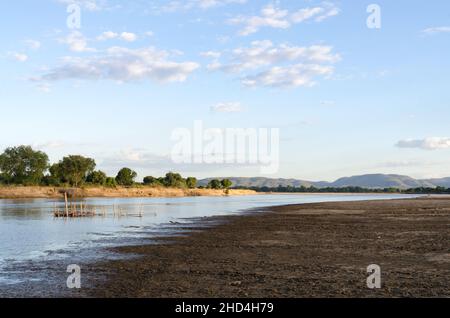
<point>311,250</point>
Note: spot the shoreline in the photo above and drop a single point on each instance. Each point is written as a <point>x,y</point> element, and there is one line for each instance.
<point>306,250</point>
<point>39,192</point>
<point>49,192</point>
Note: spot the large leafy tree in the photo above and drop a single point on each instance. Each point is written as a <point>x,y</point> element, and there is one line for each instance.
<point>152,181</point>
<point>174,180</point>
<point>97,178</point>
<point>73,170</point>
<point>23,165</point>
<point>191,182</point>
<point>126,177</point>
<point>226,183</point>
<point>215,184</point>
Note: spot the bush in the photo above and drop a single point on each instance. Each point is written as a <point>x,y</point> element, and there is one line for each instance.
<point>126,177</point>
<point>191,182</point>
<point>97,178</point>
<point>152,181</point>
<point>110,182</point>
<point>174,180</point>
<point>226,183</point>
<point>215,184</point>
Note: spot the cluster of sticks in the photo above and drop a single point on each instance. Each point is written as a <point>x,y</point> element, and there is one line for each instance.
<point>72,209</point>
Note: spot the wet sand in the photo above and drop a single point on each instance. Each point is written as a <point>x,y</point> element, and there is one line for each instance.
<point>311,250</point>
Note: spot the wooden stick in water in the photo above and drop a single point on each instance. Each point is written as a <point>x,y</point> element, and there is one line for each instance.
<point>67,205</point>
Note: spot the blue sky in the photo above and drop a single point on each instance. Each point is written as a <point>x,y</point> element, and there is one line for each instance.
<point>347,99</point>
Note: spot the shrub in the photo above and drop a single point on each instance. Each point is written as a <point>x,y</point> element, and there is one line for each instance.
<point>126,177</point>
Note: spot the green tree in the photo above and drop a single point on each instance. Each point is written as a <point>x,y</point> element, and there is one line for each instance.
<point>215,184</point>
<point>97,177</point>
<point>191,182</point>
<point>151,181</point>
<point>110,182</point>
<point>55,177</point>
<point>73,170</point>
<point>226,183</point>
<point>174,180</point>
<point>126,177</point>
<point>23,165</point>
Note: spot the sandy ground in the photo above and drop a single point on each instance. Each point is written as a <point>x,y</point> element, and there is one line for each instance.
<point>313,250</point>
<point>119,192</point>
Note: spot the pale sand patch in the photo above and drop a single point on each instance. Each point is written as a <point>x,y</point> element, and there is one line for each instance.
<point>439,258</point>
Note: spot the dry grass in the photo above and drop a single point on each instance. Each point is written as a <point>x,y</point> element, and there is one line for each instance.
<point>19,192</point>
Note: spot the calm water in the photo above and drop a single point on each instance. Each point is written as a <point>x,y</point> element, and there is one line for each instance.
<point>30,235</point>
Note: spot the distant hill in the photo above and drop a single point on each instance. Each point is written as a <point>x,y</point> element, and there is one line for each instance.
<point>381,181</point>
<point>364,181</point>
<point>262,182</point>
<point>444,182</point>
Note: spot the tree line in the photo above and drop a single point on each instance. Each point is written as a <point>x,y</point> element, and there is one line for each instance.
<point>312,189</point>
<point>23,165</point>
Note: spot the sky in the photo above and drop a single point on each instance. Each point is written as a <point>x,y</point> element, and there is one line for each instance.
<point>352,88</point>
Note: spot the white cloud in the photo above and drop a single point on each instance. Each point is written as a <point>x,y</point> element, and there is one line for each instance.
<point>279,66</point>
<point>177,5</point>
<point>306,14</point>
<point>211,54</point>
<point>128,36</point>
<point>122,65</point>
<point>330,10</point>
<point>136,158</point>
<point>262,53</point>
<point>76,42</point>
<point>271,16</point>
<point>233,107</point>
<point>49,145</point>
<point>274,17</point>
<point>289,76</point>
<point>33,44</point>
<point>89,5</point>
<point>44,87</point>
<point>205,4</point>
<point>110,35</point>
<point>107,35</point>
<point>432,143</point>
<point>19,57</point>
<point>436,30</point>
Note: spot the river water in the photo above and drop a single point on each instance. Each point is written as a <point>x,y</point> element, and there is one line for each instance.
<point>30,235</point>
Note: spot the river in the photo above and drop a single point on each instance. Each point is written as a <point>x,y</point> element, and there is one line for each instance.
<point>31,237</point>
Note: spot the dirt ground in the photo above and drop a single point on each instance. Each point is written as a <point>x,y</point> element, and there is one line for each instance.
<point>312,250</point>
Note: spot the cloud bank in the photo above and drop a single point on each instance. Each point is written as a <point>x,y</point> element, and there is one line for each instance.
<point>122,65</point>
<point>266,64</point>
<point>432,143</point>
<point>272,16</point>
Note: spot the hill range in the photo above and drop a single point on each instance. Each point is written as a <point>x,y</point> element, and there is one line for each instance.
<point>371,181</point>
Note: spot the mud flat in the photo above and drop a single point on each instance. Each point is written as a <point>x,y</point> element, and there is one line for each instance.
<point>311,250</point>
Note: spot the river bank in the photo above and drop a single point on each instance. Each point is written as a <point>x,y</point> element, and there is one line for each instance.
<point>310,250</point>
<point>19,192</point>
